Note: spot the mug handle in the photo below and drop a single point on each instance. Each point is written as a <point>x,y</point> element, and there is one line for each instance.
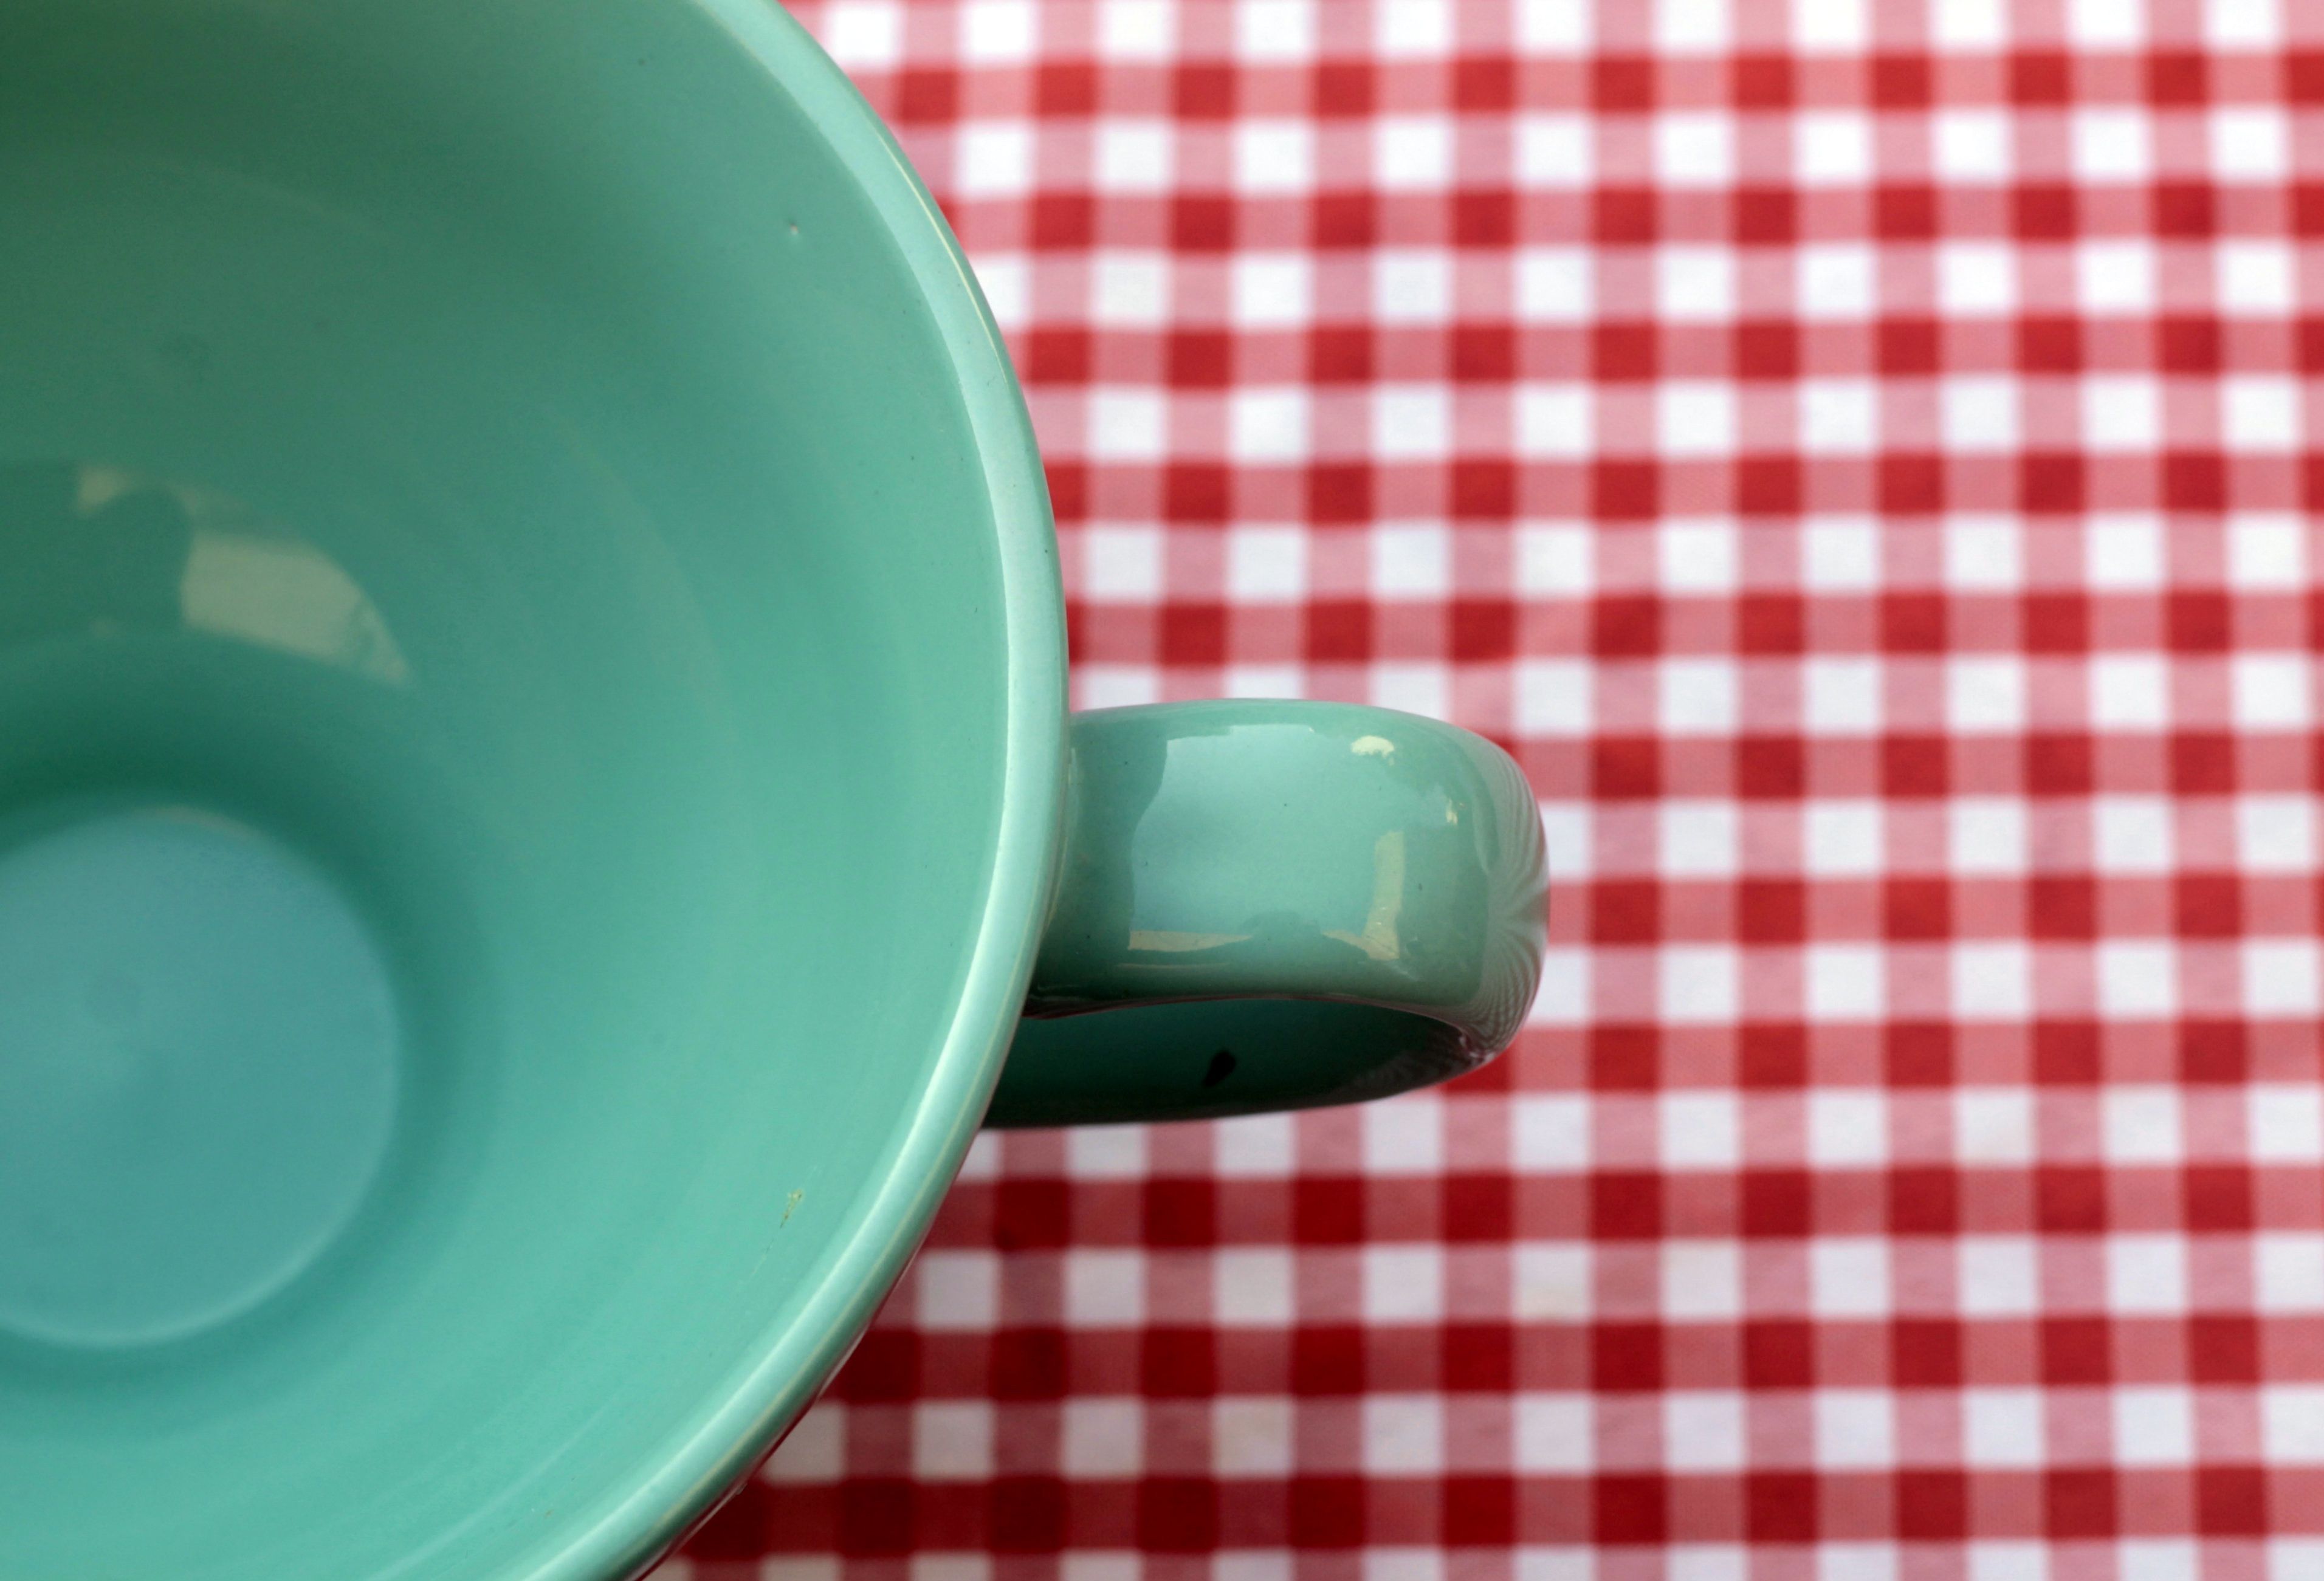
<point>1276,905</point>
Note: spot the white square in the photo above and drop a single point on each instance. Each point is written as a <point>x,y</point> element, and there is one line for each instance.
<point>1694,149</point>
<point>2291,1423</point>
<point>1553,560</point>
<point>1993,1125</point>
<point>2250,142</point>
<point>1695,417</point>
<point>1554,1432</point>
<point>1984,553</point>
<point>1403,1564</point>
<point>1132,155</point>
<point>2259,412</point>
<point>1999,1276</point>
<point>1411,560</point>
<point>2280,976</point>
<point>2154,1425</point>
<point>1553,697</point>
<point>1691,27</point>
<point>2131,835</point>
<point>1976,278</point>
<point>1412,152</point>
<point>2267,551</point>
<point>1854,1428</point>
<point>2124,553</point>
<point>1969,147</point>
<point>1424,686</point>
<point>1554,285</point>
<point>1404,1284</point>
<point>1097,1565</point>
<point>1413,27</point>
<point>2129,691</point>
<point>2275,834</point>
<point>1848,1276</point>
<point>2271,690</point>
<point>1405,1137</point>
<point>1702,1429</point>
<point>1986,834</point>
<point>2014,1559</point>
<point>1968,24</point>
<point>2106,24</point>
<point>2255,277</point>
<point>1847,1127</point>
<point>2002,1428</point>
<point>1842,837</point>
<point>1106,1153</point>
<point>1263,680</point>
<point>1252,1436</point>
<point>1846,982</point>
<point>1839,416</point>
<point>1701,1281</point>
<point>1553,420</point>
<point>1102,1436</point>
<point>1992,981</point>
<point>1411,421</point>
<point>992,158</point>
<point>1695,554</point>
<point>1553,1279</point>
<point>1272,290</point>
<point>1104,1289</point>
<point>1839,27</point>
<point>2166,1559</point>
<point>951,1440</point>
<point>2137,978</point>
<point>1274,155</point>
<point>2242,23</point>
<point>1404,1434</point>
<point>996,32</point>
<point>1839,696</point>
<point>2110,144</point>
<point>1266,565</point>
<point>2140,1121</point>
<point>1136,30</point>
<point>1698,696</point>
<point>1129,288</point>
<point>1275,30</point>
<point>1562,999</point>
<point>1251,1286</point>
<point>2122,412</point>
<point>813,1452</point>
<point>863,34</point>
<point>1268,425</point>
<point>1553,150</point>
<point>1125,425</point>
<point>1695,284</point>
<point>957,1290</point>
<point>1698,984</point>
<point>1979,413</point>
<point>1840,554</point>
<point>2284,1122</point>
<point>2146,1273</point>
<point>2115,276</point>
<point>1121,564</point>
<point>1554,26</point>
<point>1858,1561</point>
<point>1699,839</point>
<point>1698,1129</point>
<point>1254,1147</point>
<point>1832,148</point>
<point>2288,1269</point>
<point>1691,1561</point>
<point>1412,285</point>
<point>1985,692</point>
<point>1104,685</point>
<point>1838,280</point>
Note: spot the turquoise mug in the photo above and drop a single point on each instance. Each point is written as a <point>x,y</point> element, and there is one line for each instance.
<point>535,786</point>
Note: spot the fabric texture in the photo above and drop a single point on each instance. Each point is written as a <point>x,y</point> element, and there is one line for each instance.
<point>1857,455</point>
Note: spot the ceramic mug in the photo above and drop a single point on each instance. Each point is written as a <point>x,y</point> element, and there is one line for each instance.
<point>536,786</point>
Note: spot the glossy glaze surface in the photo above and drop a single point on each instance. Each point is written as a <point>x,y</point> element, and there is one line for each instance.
<point>530,716</point>
<point>1383,869</point>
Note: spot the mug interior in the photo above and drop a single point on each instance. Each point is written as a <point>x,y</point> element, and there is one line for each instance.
<point>507,730</point>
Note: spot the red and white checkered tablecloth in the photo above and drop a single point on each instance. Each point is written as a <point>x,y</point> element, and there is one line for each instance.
<point>1856,452</point>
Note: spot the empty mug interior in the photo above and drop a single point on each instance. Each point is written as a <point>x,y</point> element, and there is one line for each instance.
<point>506,697</point>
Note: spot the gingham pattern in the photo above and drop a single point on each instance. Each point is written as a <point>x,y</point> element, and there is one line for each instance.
<point>1856,454</point>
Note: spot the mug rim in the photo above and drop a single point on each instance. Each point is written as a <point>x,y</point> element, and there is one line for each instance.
<point>804,1347</point>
